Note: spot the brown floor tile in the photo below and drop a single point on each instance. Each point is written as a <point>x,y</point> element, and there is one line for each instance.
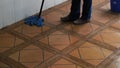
<point>68,26</point>
<point>53,18</point>
<point>66,64</point>
<point>73,39</point>
<point>82,29</point>
<point>85,29</point>
<point>91,53</point>
<point>31,47</point>
<point>111,66</point>
<point>8,41</point>
<point>31,31</point>
<point>15,56</point>
<point>30,65</point>
<point>98,37</point>
<point>111,37</point>
<point>115,64</point>
<point>3,49</point>
<point>101,16</point>
<point>31,56</point>
<point>96,2</point>
<point>116,24</point>
<point>66,8</point>
<point>106,7</point>
<point>18,41</point>
<point>59,40</point>
<point>94,62</point>
<point>2,65</point>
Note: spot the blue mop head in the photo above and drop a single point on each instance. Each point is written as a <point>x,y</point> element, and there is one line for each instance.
<point>34,20</point>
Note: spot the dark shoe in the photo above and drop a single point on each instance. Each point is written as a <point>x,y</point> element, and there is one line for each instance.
<point>81,21</point>
<point>67,19</point>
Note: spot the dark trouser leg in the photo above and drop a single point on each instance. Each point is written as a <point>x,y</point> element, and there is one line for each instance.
<point>75,9</point>
<point>87,8</point>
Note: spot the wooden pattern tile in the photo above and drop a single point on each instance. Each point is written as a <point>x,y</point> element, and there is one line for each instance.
<point>66,64</point>
<point>63,45</point>
<point>91,53</point>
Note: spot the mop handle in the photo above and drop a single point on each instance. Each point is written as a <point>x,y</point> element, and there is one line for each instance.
<point>41,8</point>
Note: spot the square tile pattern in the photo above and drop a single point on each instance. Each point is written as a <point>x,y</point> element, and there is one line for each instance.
<point>59,40</point>
<point>63,45</point>
<point>66,64</point>
<point>91,53</point>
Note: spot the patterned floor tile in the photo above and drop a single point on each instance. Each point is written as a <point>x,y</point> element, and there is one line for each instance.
<point>66,64</point>
<point>91,53</point>
<point>106,7</point>
<point>31,56</point>
<point>66,9</point>
<point>101,16</point>
<point>110,36</point>
<point>3,49</point>
<point>116,24</point>
<point>2,65</point>
<point>82,29</point>
<point>31,31</point>
<point>102,28</point>
<point>16,56</point>
<point>115,64</point>
<point>8,41</point>
<point>111,66</point>
<point>53,18</point>
<point>96,2</point>
<point>59,40</point>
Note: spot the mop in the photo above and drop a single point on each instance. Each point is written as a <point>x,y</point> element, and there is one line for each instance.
<point>35,20</point>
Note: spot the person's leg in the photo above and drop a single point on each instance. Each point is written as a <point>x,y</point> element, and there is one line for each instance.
<point>86,13</point>
<point>87,8</point>
<point>74,11</point>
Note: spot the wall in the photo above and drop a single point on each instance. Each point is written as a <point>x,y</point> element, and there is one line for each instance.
<point>12,11</point>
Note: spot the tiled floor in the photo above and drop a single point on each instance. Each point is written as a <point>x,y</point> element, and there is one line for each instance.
<point>64,45</point>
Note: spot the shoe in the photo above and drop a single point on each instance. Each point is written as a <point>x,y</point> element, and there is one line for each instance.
<point>80,21</point>
<point>67,19</point>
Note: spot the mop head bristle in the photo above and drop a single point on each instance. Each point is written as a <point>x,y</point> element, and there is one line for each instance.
<point>34,20</point>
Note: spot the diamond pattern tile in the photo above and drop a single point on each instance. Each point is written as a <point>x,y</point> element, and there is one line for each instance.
<point>15,56</point>
<point>85,29</point>
<point>111,37</point>
<point>8,41</point>
<point>82,29</point>
<point>66,9</point>
<point>91,53</point>
<point>66,64</point>
<point>111,66</point>
<point>115,64</point>
<point>53,18</point>
<point>31,31</point>
<point>64,47</point>
<point>3,49</point>
<point>59,40</point>
<point>106,7</point>
<point>100,16</point>
<point>98,37</point>
<point>96,2</point>
<point>116,24</point>
<point>31,56</point>
<point>2,65</point>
